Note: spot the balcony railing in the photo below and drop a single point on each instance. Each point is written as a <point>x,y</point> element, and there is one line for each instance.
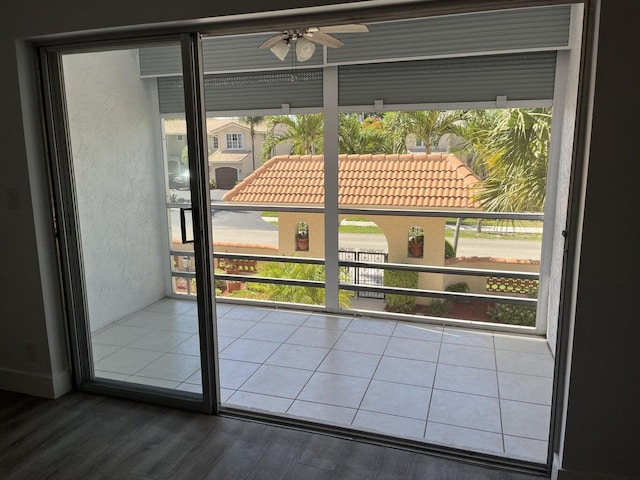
<point>492,286</point>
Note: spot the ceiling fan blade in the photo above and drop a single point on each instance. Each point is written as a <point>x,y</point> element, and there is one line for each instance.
<point>270,42</point>
<point>324,39</point>
<point>352,28</point>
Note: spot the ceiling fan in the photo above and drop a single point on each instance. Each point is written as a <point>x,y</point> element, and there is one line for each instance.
<point>304,40</point>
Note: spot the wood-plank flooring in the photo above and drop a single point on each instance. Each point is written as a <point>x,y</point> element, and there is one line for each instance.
<point>84,436</point>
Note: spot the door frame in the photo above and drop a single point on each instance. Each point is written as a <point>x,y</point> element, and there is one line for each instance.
<point>67,228</point>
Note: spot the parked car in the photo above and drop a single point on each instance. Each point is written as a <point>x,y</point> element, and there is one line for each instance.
<point>179,180</point>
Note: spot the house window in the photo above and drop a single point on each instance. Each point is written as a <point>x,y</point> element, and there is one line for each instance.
<point>234,141</point>
<point>179,138</point>
<point>420,143</point>
<point>215,142</point>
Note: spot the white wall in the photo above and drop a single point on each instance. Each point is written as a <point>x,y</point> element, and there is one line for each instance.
<point>559,180</point>
<point>116,146</point>
<point>599,419</point>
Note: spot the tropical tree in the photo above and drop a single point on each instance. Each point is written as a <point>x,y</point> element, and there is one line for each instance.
<point>510,149</point>
<point>427,126</point>
<point>367,136</point>
<point>252,121</point>
<point>292,293</point>
<point>305,133</point>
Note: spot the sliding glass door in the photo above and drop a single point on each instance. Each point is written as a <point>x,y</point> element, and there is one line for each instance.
<point>131,209</point>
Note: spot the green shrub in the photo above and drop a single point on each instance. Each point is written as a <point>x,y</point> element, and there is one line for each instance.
<point>449,251</point>
<point>460,287</point>
<point>514,314</point>
<point>400,279</point>
<point>440,307</point>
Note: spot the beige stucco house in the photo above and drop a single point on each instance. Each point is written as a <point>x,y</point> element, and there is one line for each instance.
<point>414,181</point>
<point>233,152</point>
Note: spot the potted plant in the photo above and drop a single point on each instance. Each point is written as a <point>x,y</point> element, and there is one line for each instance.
<point>302,237</point>
<point>416,242</point>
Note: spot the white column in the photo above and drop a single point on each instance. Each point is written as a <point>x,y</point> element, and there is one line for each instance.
<point>330,94</point>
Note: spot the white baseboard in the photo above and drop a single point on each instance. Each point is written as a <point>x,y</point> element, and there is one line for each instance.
<point>29,383</point>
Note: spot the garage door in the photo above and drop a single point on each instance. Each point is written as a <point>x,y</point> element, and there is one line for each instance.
<point>226,178</point>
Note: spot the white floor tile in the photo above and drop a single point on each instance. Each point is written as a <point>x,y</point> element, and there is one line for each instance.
<point>362,342</point>
<point>256,401</point>
<point>234,373</point>
<point>172,305</point>
<point>461,437</point>
<point>271,332</point>
<point>314,337</point>
<point>327,361</point>
<point>154,382</point>
<point>350,363</point>
<point>418,331</point>
<point>298,356</point>
<point>189,387</point>
<point>525,388</point>
<point>322,412</point>
<point>527,420</point>
<point>100,351</point>
<point>146,319</point>
<point>332,389</point>
<point>412,349</point>
<point>186,322</point>
<point>526,448</point>
<point>370,325</point>
<point>172,366</point>
<point>160,341</point>
<point>520,343</point>
<point>461,336</point>
<point>467,356</point>
<point>231,327</point>
<point>249,350</point>
<point>397,399</point>
<point>110,375</point>
<point>191,346</point>
<point>286,318</point>
<point>390,424</point>
<point>327,321</point>
<point>119,335</point>
<point>477,381</point>
<point>195,379</point>
<point>465,410</point>
<point>525,363</point>
<point>404,370</point>
<point>242,312</point>
<point>277,381</point>
<point>127,360</point>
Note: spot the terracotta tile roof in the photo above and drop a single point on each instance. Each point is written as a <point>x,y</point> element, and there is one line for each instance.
<point>411,180</point>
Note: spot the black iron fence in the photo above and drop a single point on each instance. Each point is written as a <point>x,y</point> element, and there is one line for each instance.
<point>365,275</point>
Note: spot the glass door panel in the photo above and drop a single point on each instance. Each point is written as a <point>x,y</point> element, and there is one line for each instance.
<point>131,178</point>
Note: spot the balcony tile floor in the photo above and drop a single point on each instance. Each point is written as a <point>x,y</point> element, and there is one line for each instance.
<point>482,391</point>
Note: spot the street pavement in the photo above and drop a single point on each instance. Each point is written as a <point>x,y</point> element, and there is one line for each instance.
<point>250,227</point>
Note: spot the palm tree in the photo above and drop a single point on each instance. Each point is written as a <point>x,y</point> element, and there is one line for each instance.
<point>511,150</point>
<point>355,136</point>
<point>304,132</point>
<point>252,121</point>
<point>426,125</point>
<point>292,293</point>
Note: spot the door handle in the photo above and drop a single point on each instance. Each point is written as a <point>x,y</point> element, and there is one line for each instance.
<point>183,225</point>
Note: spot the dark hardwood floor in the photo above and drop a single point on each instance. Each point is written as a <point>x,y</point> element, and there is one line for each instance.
<point>83,436</point>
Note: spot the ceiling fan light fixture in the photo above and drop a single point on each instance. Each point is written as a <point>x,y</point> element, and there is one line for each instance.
<point>280,49</point>
<point>304,49</point>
